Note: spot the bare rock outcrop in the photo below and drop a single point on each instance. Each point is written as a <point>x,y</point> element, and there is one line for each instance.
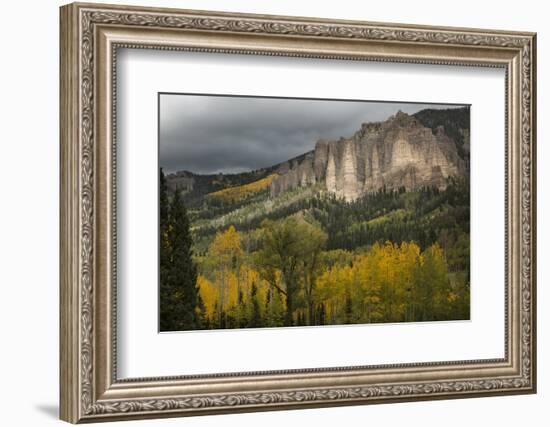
<point>399,152</point>
<point>181,180</point>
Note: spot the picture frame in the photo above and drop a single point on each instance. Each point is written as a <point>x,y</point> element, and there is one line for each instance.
<point>91,35</point>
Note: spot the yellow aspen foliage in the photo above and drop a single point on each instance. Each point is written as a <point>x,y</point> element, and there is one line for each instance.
<point>226,245</point>
<point>226,252</point>
<point>390,283</point>
<point>209,294</point>
<point>241,192</point>
<point>231,290</point>
<point>248,277</point>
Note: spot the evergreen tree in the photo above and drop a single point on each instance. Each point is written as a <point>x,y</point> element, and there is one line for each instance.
<point>322,314</point>
<point>184,269</point>
<point>268,316</point>
<point>348,308</point>
<point>180,301</point>
<point>167,312</point>
<point>163,201</point>
<point>203,321</point>
<point>216,316</point>
<point>255,316</point>
<point>242,310</point>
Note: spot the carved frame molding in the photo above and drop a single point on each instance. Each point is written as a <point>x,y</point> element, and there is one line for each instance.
<point>90,36</point>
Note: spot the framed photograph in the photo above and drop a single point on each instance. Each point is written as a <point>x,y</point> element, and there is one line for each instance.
<point>266,212</point>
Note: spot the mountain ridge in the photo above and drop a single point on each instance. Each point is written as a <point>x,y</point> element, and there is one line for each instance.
<point>398,152</point>
<point>409,151</point>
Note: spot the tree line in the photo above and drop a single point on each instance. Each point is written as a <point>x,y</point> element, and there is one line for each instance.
<point>291,274</point>
<point>429,215</point>
<point>291,282</point>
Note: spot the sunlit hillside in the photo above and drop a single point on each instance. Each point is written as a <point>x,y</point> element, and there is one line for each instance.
<point>241,192</point>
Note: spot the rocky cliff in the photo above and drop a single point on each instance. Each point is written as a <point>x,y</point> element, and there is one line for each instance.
<point>399,152</point>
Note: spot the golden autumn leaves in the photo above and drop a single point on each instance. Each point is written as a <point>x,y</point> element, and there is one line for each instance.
<point>293,280</point>
<point>243,191</point>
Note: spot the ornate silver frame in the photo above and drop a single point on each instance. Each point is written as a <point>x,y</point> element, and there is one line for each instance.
<point>90,36</point>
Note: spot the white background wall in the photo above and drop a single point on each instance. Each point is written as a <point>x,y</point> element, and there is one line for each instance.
<point>29,170</point>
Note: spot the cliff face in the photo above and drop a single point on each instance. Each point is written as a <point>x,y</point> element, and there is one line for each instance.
<point>181,180</point>
<point>400,152</point>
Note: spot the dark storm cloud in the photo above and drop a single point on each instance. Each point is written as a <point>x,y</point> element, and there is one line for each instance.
<point>210,134</point>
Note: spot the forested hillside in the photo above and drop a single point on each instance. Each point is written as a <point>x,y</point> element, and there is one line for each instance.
<point>235,255</point>
<point>305,258</point>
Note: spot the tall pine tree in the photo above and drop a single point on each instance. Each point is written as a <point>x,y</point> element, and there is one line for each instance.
<point>179,293</point>
<point>255,320</point>
<point>163,201</point>
<point>183,270</point>
<point>167,312</point>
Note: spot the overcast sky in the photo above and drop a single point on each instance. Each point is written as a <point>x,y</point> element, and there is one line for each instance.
<point>211,134</point>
